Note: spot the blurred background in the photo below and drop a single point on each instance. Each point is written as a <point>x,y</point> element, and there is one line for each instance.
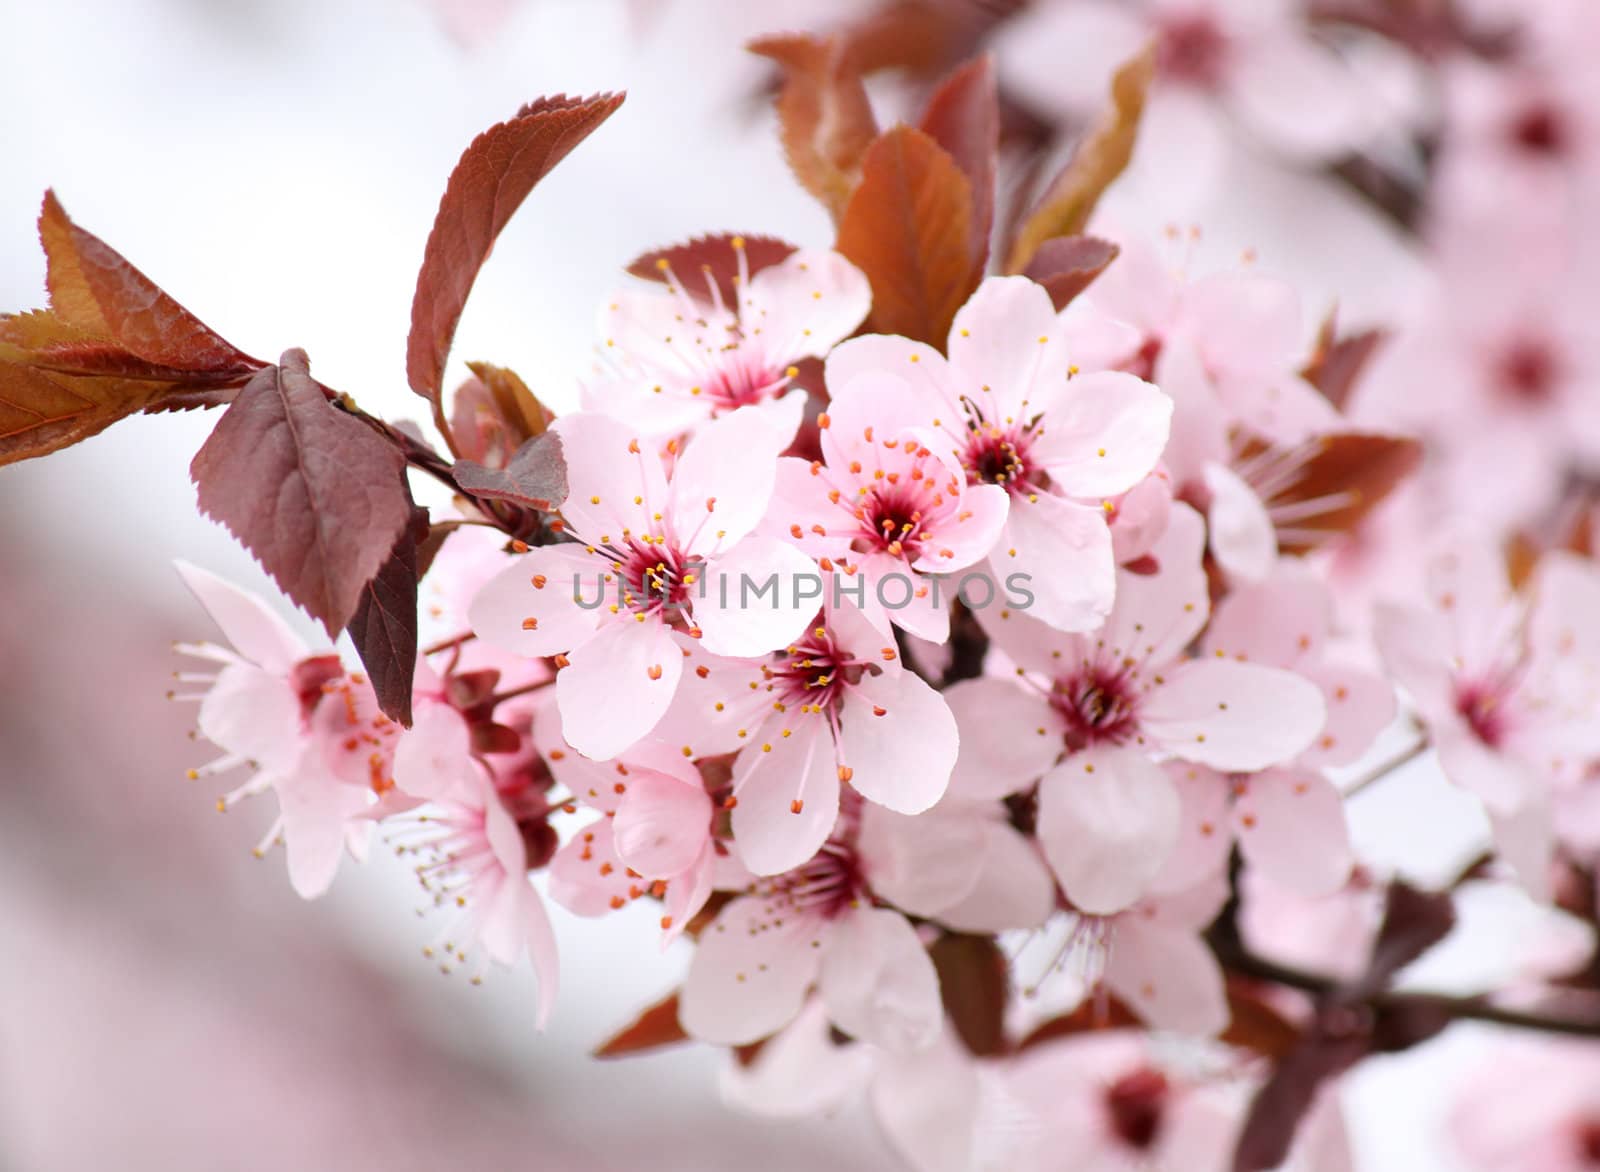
<point>165,1000</point>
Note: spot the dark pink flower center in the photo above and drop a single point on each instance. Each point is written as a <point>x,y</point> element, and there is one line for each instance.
<point>743,378</point>
<point>814,671</point>
<point>655,576</point>
<point>1529,371</point>
<point>826,886</point>
<point>1482,708</point>
<point>999,456</point>
<point>1136,1103</point>
<point>1192,49</point>
<point>1541,129</point>
<point>892,519</point>
<point>1100,707</point>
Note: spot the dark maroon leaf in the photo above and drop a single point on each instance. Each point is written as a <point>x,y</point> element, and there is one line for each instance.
<point>535,478</point>
<point>974,981</point>
<point>494,176</point>
<point>1339,365</point>
<point>384,627</point>
<point>1284,1099</point>
<point>1413,922</point>
<point>1067,265</point>
<point>715,257</point>
<point>653,1029</point>
<point>963,117</point>
<point>315,494</point>
<point>1255,1024</point>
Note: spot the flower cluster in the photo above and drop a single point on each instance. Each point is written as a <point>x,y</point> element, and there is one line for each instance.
<point>968,658</point>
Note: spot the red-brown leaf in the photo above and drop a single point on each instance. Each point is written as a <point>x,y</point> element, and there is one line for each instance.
<point>535,477</point>
<point>1351,471</point>
<point>963,117</point>
<point>824,117</point>
<point>384,627</point>
<point>94,290</point>
<point>908,227</point>
<point>974,981</point>
<point>315,494</point>
<point>494,176</point>
<point>1340,363</point>
<point>1254,1024</point>
<point>714,257</point>
<point>653,1029</point>
<point>1071,196</point>
<point>1067,265</point>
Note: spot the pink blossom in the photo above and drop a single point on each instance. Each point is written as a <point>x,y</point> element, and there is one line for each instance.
<point>1088,715</point>
<point>1531,1109</point>
<point>654,835</point>
<point>672,558</point>
<point>312,732</point>
<point>1508,687</point>
<point>473,855</point>
<point>1010,409</point>
<point>674,360</point>
<point>1113,1103</point>
<point>834,709</point>
<point>816,925</point>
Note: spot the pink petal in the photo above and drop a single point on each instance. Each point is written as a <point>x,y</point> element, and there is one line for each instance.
<point>968,534</point>
<point>1104,434</point>
<point>614,477</point>
<point>916,608</point>
<point>1009,736</point>
<point>1141,517</point>
<point>1502,783</point>
<point>1014,888</point>
<point>662,825</point>
<point>1242,535</point>
<point>1417,648</point>
<point>1565,620</point>
<point>434,756</point>
<point>1167,976</point>
<point>258,633</point>
<point>1006,350</point>
<point>922,864</point>
<point>920,369</point>
<point>878,982</point>
<point>801,1073</point>
<point>540,940</point>
<point>531,607</point>
<point>1361,705</point>
<point>769,835</point>
<point>1060,552</point>
<point>899,741</point>
<point>1205,827</point>
<point>758,597</point>
<point>1231,715</point>
<point>722,483</point>
<point>1157,615</point>
<point>254,715</point>
<point>1299,96</point>
<point>805,304</point>
<point>587,873</point>
<point>1291,825</point>
<point>1108,819</point>
<point>1275,623</point>
<point>617,687</point>
<point>750,973</point>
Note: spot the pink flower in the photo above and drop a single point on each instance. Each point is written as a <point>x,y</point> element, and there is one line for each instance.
<point>1011,411</point>
<point>1533,1108</point>
<point>311,730</point>
<point>816,925</point>
<point>1251,60</point>
<point>659,565</point>
<point>1113,1103</point>
<point>474,857</point>
<point>836,708</point>
<point>676,360</point>
<point>654,836</point>
<point>1507,687</point>
<point>890,512</point>
<point>1089,714</point>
